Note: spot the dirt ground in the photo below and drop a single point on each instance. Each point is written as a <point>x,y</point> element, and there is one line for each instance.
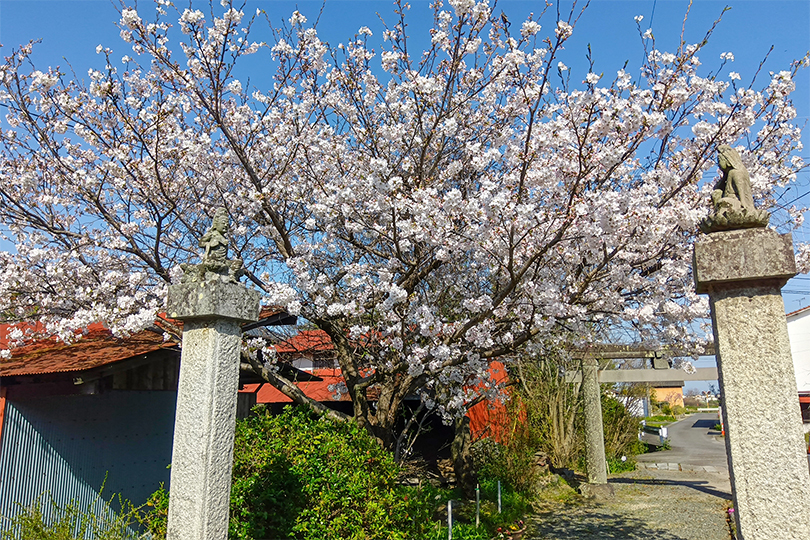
<point>648,505</point>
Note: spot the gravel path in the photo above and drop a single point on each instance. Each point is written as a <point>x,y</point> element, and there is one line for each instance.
<point>649,505</point>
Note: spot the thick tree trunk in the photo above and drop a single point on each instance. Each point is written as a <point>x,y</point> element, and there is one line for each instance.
<point>461,451</point>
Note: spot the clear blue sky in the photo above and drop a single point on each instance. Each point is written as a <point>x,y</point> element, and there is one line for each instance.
<point>72,29</point>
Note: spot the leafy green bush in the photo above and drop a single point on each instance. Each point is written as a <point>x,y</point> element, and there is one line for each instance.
<point>621,432</point>
<point>462,531</point>
<point>153,515</point>
<point>619,465</point>
<point>296,476</point>
<point>511,463</point>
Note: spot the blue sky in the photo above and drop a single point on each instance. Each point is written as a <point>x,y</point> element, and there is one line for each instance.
<point>71,29</point>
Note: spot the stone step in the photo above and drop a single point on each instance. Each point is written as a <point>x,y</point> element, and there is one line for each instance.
<point>681,467</point>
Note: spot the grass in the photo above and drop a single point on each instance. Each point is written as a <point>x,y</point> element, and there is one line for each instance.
<point>659,420</point>
<point>557,491</point>
<point>514,507</point>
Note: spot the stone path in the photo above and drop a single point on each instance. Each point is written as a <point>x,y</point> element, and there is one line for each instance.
<point>658,504</point>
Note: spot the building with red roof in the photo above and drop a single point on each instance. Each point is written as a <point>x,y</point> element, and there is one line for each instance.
<point>312,351</point>
<point>98,411</point>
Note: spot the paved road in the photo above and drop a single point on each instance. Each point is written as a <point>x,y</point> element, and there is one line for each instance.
<point>694,444</point>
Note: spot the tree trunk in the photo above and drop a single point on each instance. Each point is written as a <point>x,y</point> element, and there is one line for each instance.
<point>461,451</point>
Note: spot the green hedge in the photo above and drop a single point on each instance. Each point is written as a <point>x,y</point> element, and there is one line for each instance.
<point>302,477</point>
<point>296,476</point>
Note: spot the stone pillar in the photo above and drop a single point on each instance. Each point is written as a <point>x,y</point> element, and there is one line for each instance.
<point>594,432</point>
<point>212,312</point>
<point>743,272</point>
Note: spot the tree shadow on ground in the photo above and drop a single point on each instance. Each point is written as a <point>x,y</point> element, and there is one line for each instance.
<point>591,523</point>
<point>700,485</point>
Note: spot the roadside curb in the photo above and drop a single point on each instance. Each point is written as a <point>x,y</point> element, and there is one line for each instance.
<point>680,467</point>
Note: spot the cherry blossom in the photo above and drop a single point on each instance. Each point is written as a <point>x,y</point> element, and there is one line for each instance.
<point>432,211</point>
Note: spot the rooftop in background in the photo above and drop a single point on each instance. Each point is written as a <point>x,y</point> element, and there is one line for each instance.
<point>306,341</point>
<point>96,347</point>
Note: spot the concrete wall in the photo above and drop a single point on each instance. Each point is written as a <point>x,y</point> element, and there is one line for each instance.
<point>672,395</point>
<point>799,333</point>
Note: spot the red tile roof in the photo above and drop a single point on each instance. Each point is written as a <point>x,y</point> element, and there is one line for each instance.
<point>306,341</point>
<point>96,348</point>
<point>317,390</point>
<point>800,310</point>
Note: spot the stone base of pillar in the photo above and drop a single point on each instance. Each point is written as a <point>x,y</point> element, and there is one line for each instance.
<point>599,492</point>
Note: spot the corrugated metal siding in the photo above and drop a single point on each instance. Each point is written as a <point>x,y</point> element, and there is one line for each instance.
<point>67,445</point>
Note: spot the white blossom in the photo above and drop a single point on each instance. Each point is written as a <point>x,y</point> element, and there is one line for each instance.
<point>130,18</point>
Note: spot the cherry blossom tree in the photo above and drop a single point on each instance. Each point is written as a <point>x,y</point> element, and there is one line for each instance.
<point>431,210</point>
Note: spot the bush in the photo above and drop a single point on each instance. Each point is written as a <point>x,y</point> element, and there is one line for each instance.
<point>513,463</point>
<point>154,514</point>
<point>71,522</point>
<point>297,476</point>
<point>619,465</point>
<point>621,431</point>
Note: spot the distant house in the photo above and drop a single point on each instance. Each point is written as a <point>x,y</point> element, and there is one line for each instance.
<point>798,324</point>
<point>309,350</point>
<point>669,391</point>
<point>100,411</point>
<point>313,352</point>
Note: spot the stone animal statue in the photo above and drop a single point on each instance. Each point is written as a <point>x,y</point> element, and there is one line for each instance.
<point>732,199</point>
<point>215,264</point>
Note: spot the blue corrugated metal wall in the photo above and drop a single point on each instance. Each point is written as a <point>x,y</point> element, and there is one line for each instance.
<point>67,445</point>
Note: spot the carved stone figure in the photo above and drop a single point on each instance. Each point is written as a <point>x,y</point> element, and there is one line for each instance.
<point>215,240</point>
<point>215,264</point>
<point>732,198</point>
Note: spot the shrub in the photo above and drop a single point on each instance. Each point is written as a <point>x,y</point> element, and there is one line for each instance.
<point>621,430</point>
<point>71,522</point>
<point>154,514</point>
<point>618,465</point>
<point>513,463</point>
<point>296,476</point>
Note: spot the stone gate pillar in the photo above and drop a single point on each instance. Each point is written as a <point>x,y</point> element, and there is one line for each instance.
<point>596,466</point>
<point>594,431</point>
<point>743,271</point>
<point>212,305</point>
